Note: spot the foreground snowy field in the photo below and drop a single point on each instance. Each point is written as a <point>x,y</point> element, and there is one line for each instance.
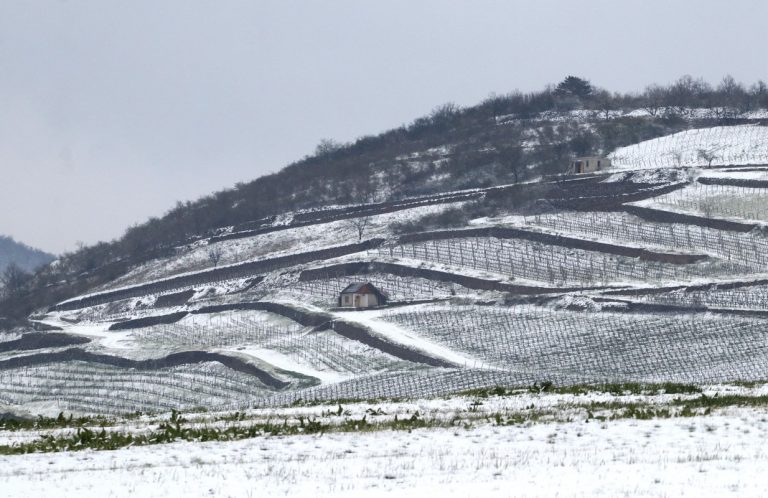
<point>708,456</point>
<point>587,443</point>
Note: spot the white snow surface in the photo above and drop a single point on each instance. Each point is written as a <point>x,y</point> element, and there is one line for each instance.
<point>285,362</point>
<point>716,455</point>
<point>717,146</point>
<point>195,258</point>
<point>758,174</point>
<point>404,337</point>
<point>724,202</point>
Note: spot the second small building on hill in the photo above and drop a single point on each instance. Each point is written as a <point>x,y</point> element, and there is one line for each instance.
<point>362,295</point>
<point>589,164</point>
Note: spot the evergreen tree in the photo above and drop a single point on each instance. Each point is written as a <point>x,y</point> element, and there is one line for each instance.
<point>574,86</point>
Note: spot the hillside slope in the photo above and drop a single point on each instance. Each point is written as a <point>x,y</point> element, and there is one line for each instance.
<point>25,257</point>
<point>619,276</point>
<point>505,139</point>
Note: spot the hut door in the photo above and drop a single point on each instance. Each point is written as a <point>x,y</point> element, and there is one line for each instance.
<point>357,301</point>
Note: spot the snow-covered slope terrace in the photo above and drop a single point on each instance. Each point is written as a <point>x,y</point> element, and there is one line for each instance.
<point>718,146</point>
<point>249,269</point>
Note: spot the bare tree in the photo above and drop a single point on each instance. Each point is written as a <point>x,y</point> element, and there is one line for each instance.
<point>733,96</point>
<point>214,255</point>
<point>443,112</point>
<point>708,207</point>
<point>359,224</point>
<point>759,93</point>
<point>14,279</point>
<point>511,159</point>
<point>654,96</point>
<point>708,156</point>
<point>327,146</point>
<point>606,102</point>
<point>677,155</point>
<point>686,93</point>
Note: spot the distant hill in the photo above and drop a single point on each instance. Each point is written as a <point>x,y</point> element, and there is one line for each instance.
<point>500,268</point>
<point>27,258</point>
<point>517,138</point>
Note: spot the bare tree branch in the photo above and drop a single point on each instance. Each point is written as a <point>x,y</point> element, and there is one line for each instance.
<point>14,279</point>
<point>359,224</point>
<point>214,255</point>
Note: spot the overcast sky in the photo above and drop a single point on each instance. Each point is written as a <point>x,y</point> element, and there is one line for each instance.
<point>111,111</point>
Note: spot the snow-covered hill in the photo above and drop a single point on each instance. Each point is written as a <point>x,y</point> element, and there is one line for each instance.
<point>568,315</point>
<point>618,277</point>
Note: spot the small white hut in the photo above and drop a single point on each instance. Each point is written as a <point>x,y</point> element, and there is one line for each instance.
<point>589,164</point>
<point>361,295</point>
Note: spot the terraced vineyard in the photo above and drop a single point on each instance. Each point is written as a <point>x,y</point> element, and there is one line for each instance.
<point>93,388</point>
<point>424,383</point>
<point>552,264</point>
<point>600,345</point>
<point>748,298</point>
<point>719,145</point>
<point>719,201</point>
<point>749,249</point>
<point>257,331</point>
<point>586,285</point>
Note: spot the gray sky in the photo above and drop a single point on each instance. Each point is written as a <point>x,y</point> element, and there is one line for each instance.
<point>111,111</point>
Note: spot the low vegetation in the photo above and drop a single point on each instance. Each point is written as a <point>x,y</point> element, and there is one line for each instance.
<point>176,429</point>
<point>617,389</point>
<point>64,433</point>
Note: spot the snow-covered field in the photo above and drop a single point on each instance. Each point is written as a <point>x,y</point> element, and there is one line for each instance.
<point>716,457</point>
<point>273,244</point>
<point>753,173</point>
<point>567,453</point>
<point>716,201</point>
<point>721,145</point>
<point>626,229</point>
